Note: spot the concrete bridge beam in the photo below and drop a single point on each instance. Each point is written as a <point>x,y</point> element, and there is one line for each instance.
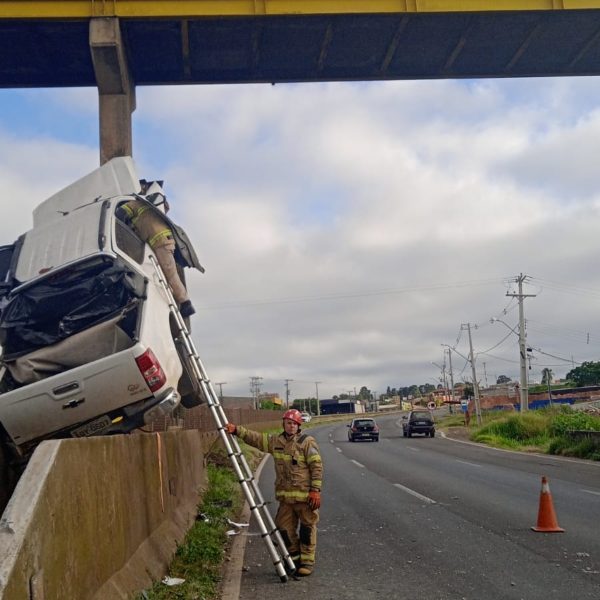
<point>116,92</point>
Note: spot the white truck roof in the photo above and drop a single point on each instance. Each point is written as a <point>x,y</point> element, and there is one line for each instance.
<point>117,177</point>
<point>55,243</point>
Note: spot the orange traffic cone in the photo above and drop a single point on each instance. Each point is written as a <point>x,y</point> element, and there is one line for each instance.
<point>546,521</point>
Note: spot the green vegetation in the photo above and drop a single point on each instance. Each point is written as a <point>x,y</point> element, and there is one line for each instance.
<point>547,430</point>
<point>199,558</point>
<point>587,373</point>
<point>543,388</point>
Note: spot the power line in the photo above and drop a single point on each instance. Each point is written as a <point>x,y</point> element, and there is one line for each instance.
<point>567,288</point>
<point>384,292</point>
<point>569,360</point>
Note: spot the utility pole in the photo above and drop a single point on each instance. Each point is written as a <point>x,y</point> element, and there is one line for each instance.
<point>524,389</point>
<point>255,389</point>
<point>287,393</point>
<point>451,380</point>
<point>443,379</point>
<point>318,403</point>
<point>221,384</point>
<point>475,384</point>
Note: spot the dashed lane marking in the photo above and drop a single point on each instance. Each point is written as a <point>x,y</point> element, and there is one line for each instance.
<point>357,463</point>
<point>466,462</point>
<point>415,494</point>
<point>591,492</point>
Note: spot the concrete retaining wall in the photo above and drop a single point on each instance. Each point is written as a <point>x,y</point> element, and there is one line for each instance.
<point>100,517</point>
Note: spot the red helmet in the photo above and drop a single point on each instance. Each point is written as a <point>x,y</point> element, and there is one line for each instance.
<point>293,415</point>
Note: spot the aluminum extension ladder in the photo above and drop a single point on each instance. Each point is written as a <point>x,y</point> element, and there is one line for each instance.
<point>271,535</point>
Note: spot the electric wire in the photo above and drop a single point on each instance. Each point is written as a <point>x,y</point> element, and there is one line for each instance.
<point>365,294</point>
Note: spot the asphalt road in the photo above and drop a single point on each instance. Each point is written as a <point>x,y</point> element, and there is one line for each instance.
<point>439,519</point>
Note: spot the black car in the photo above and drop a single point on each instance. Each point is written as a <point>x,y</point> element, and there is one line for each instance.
<point>363,429</point>
<point>418,421</point>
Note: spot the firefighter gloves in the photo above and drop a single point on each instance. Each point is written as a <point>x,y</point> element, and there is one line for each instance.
<point>231,428</point>
<point>314,499</point>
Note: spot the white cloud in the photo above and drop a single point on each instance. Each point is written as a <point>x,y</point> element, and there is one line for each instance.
<point>350,229</point>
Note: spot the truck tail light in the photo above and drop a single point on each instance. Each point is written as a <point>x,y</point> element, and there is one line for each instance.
<point>151,370</point>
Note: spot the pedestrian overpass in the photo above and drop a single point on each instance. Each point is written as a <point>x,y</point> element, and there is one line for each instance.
<point>117,45</point>
<point>46,43</point>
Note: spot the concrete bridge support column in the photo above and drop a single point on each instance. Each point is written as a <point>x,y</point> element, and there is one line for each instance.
<point>115,88</point>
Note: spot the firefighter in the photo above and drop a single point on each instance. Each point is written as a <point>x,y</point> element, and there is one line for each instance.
<point>157,234</point>
<point>298,472</point>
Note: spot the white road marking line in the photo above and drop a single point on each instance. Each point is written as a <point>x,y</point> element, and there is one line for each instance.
<point>357,463</point>
<point>413,449</point>
<point>338,449</point>
<point>595,463</point>
<point>415,494</point>
<point>466,462</point>
<point>591,492</point>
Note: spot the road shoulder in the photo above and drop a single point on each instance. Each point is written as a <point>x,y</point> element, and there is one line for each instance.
<point>233,565</point>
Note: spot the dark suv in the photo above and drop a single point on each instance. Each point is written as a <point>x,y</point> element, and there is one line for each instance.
<point>418,421</point>
<point>363,429</point>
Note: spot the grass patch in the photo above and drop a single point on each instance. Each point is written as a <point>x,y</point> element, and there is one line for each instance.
<point>456,419</point>
<point>545,430</point>
<point>199,558</point>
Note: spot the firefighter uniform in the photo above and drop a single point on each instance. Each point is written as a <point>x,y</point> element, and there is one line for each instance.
<point>155,232</point>
<point>298,471</point>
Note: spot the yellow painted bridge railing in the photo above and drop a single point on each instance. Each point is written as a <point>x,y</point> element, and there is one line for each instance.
<point>66,9</point>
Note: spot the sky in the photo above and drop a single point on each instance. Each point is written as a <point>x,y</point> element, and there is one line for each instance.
<point>351,230</point>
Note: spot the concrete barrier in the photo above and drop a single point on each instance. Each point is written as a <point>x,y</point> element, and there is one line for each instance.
<point>100,517</point>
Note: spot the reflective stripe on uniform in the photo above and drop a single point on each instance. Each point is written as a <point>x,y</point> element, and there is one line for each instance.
<point>314,458</point>
<point>316,483</point>
<point>157,237</point>
<point>137,213</point>
<point>291,494</point>
<point>265,441</point>
<point>128,210</point>
<point>282,456</point>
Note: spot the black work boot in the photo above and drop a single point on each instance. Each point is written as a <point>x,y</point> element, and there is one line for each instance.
<point>186,309</point>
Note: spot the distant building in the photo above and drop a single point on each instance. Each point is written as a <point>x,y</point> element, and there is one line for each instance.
<point>341,407</point>
<point>274,398</point>
<point>237,402</point>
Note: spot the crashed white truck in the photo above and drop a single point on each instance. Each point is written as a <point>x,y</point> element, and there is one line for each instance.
<point>89,346</point>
